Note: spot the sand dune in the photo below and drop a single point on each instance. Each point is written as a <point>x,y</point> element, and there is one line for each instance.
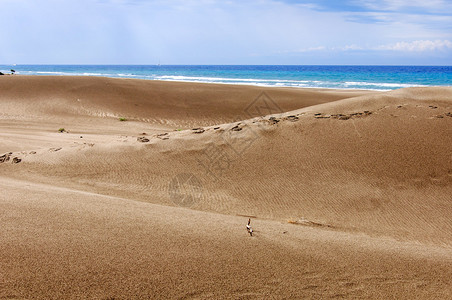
<point>349,191</point>
<point>93,105</point>
<point>175,104</point>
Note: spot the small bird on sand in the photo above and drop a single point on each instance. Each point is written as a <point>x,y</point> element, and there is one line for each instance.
<point>248,228</point>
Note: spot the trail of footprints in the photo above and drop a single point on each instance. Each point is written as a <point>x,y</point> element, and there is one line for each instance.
<point>17,157</point>
<point>236,127</point>
<point>367,113</point>
<point>342,116</point>
<point>10,157</point>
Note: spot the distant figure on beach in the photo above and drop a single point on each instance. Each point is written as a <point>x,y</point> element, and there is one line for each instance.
<point>248,228</point>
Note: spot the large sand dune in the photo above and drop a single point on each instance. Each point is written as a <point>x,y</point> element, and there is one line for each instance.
<point>350,192</point>
<point>166,103</point>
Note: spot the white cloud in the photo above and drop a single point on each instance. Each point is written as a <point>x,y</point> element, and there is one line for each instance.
<point>418,46</point>
<point>415,46</point>
<point>395,5</point>
<point>350,48</point>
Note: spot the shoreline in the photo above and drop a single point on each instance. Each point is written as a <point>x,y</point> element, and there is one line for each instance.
<point>220,83</point>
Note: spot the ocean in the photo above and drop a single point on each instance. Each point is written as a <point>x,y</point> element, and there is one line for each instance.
<point>335,77</point>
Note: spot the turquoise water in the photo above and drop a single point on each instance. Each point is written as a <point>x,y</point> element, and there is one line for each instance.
<point>338,77</point>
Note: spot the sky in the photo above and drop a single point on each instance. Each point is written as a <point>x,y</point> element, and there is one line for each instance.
<point>260,32</point>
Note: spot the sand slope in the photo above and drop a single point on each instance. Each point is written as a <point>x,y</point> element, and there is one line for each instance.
<point>60,243</point>
<point>174,104</point>
<point>364,181</point>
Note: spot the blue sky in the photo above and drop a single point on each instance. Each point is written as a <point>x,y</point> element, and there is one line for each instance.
<point>393,32</point>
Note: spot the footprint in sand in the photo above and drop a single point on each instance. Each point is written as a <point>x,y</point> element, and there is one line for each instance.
<point>142,139</point>
<point>292,118</point>
<point>236,128</point>
<point>198,130</point>
<point>273,120</point>
<point>163,136</point>
<point>5,157</point>
<point>321,116</point>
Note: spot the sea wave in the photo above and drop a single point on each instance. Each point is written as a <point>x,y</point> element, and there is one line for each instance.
<point>179,77</point>
<point>73,73</point>
<point>382,84</point>
<point>285,83</point>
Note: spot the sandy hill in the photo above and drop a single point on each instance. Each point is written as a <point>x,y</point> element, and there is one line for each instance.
<point>350,191</point>
<point>174,104</point>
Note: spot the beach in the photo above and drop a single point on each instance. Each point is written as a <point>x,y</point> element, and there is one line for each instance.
<point>117,188</point>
